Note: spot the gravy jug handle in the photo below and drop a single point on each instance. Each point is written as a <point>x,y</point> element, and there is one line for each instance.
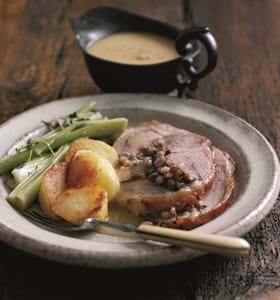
<point>203,35</point>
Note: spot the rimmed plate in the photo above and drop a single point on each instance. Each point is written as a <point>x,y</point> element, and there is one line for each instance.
<point>257,179</point>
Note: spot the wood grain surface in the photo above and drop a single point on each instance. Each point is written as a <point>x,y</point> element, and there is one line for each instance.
<point>40,61</point>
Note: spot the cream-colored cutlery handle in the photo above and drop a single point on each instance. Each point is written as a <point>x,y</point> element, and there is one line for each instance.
<point>224,245</point>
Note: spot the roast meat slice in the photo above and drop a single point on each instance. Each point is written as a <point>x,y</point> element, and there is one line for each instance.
<point>147,199</point>
<point>142,135</point>
<point>214,202</point>
<point>191,153</point>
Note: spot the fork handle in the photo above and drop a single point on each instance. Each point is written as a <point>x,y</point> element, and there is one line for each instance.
<point>219,244</point>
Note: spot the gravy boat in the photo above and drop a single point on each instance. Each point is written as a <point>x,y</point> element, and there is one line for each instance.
<point>179,73</point>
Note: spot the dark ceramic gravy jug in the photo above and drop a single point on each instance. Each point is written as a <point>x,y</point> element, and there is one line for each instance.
<point>161,77</point>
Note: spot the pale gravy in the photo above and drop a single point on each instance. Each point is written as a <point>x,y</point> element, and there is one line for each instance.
<point>134,48</point>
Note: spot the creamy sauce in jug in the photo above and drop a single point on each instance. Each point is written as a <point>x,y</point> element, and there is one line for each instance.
<point>134,48</point>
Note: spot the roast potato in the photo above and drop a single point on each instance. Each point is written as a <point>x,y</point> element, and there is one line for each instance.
<point>53,185</point>
<point>98,147</point>
<point>87,167</point>
<point>77,204</point>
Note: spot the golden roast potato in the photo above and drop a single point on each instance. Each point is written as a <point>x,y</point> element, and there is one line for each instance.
<point>87,167</point>
<point>53,185</point>
<point>98,147</point>
<point>77,204</point>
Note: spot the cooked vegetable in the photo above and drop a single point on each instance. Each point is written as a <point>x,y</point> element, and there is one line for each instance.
<point>53,185</point>
<point>77,204</point>
<point>29,168</point>
<point>94,145</point>
<point>83,123</point>
<point>11,183</point>
<point>87,167</point>
<point>23,154</point>
<point>36,168</point>
<point>7,163</point>
<point>27,191</point>
<point>85,113</point>
<point>85,110</point>
<point>96,129</point>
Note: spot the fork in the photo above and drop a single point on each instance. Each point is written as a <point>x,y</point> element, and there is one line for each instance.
<point>219,244</point>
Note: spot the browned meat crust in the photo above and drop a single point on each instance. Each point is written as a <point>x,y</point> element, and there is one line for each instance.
<point>214,202</point>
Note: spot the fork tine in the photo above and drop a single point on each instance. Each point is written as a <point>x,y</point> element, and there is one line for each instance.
<point>42,220</point>
<point>46,219</point>
<point>57,223</point>
<point>38,221</point>
<point>60,225</point>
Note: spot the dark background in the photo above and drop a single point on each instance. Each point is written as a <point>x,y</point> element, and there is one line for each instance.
<point>40,61</point>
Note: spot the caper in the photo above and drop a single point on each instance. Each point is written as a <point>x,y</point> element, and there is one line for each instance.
<point>168,175</point>
<point>159,162</point>
<point>160,179</point>
<point>164,170</point>
<point>180,185</point>
<point>147,162</point>
<point>153,176</point>
<point>171,184</point>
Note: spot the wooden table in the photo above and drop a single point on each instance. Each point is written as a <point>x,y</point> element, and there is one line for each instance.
<point>40,61</point>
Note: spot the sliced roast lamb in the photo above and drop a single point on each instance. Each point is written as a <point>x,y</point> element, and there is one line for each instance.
<point>153,149</point>
<point>164,167</point>
<point>214,202</point>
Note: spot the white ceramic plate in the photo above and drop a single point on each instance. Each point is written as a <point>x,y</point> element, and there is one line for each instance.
<point>257,179</point>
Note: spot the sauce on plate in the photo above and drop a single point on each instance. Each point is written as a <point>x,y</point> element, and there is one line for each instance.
<point>120,214</point>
